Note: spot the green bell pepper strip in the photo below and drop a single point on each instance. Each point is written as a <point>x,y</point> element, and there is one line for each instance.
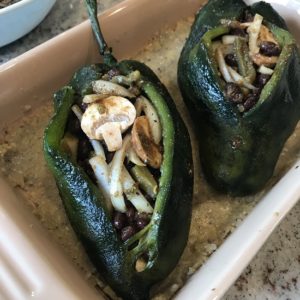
<point>165,237</point>
<point>238,152</point>
<point>245,65</point>
<point>145,179</point>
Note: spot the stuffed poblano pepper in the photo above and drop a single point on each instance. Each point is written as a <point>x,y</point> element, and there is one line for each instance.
<point>239,75</point>
<point>122,160</point>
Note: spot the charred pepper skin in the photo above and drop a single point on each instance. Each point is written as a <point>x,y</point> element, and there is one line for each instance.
<point>164,239</point>
<point>239,152</point>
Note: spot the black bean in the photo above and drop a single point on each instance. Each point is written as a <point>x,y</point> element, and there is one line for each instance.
<point>238,32</point>
<point>119,220</point>
<point>269,49</point>
<point>83,106</point>
<point>142,223</point>
<point>141,220</point>
<point>130,214</point>
<point>250,101</point>
<point>231,60</point>
<point>234,92</point>
<point>261,80</point>
<point>127,232</point>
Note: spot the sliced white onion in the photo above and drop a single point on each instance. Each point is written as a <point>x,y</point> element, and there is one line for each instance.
<point>101,171</point>
<point>222,66</point>
<point>228,39</point>
<point>143,104</point>
<point>253,31</point>
<point>107,88</point>
<point>127,80</point>
<point>98,148</point>
<point>264,70</point>
<point>133,194</point>
<point>133,157</point>
<point>121,79</point>
<point>134,76</point>
<point>240,80</point>
<point>93,98</point>
<point>235,24</point>
<point>77,111</point>
<point>116,189</point>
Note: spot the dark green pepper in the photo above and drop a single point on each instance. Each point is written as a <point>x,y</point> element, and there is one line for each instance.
<point>164,238</point>
<point>238,151</point>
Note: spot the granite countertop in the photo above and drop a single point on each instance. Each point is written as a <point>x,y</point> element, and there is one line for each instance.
<point>275,271</point>
<point>64,15</point>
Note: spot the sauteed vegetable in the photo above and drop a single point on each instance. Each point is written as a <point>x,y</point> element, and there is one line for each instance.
<point>239,74</point>
<point>122,160</point>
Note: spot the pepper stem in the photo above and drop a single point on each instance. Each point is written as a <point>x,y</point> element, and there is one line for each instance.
<point>104,50</point>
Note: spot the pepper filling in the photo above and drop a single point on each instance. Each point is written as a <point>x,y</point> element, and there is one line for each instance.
<point>115,136</point>
<point>246,57</point>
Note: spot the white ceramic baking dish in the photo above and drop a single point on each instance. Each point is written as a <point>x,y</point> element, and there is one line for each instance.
<point>31,265</point>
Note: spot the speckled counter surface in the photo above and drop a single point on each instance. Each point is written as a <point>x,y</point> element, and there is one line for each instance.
<point>64,15</point>
<point>275,271</point>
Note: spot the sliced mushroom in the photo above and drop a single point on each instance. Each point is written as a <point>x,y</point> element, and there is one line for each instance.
<point>143,143</point>
<point>268,61</point>
<point>266,35</point>
<point>107,119</point>
<point>107,89</point>
<point>143,104</point>
<point>111,133</point>
<point>133,157</point>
